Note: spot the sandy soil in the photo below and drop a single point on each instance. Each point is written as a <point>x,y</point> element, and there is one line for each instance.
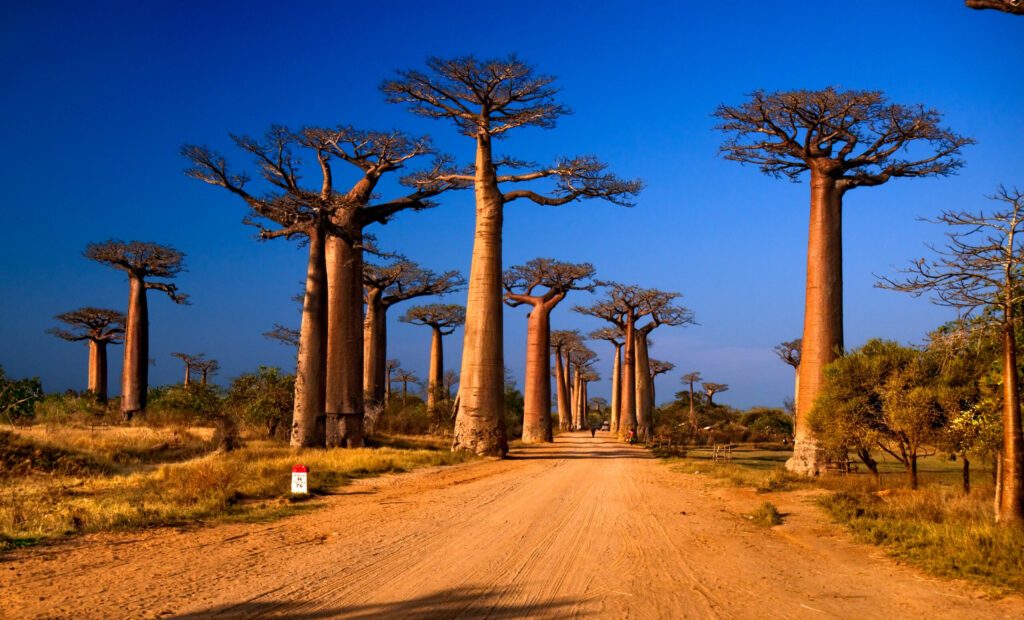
<point>584,528</point>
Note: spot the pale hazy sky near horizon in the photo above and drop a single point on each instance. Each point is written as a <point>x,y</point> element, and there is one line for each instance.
<point>98,97</point>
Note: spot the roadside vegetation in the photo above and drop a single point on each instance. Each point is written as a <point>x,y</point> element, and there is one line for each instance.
<point>68,466</point>
<point>936,527</point>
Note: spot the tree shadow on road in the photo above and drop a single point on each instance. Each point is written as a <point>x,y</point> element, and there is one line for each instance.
<point>467,602</point>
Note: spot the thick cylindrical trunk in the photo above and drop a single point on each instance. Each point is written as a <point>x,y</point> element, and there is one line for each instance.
<point>480,423</point>
<point>204,377</point>
<point>912,471</point>
<point>375,349</point>
<point>613,414</point>
<point>823,312</point>
<point>693,412</point>
<point>796,388</point>
<point>584,408</point>
<point>562,388</point>
<point>188,376</point>
<point>135,371</point>
<point>435,378</point>
<point>387,389</point>
<point>574,397</point>
<point>98,370</point>
<point>627,414</point>
<point>309,416</point>
<point>344,390</point>
<point>644,399</point>
<point>1010,492</point>
<point>537,384</point>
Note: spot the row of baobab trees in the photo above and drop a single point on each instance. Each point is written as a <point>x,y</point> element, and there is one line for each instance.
<point>843,139</point>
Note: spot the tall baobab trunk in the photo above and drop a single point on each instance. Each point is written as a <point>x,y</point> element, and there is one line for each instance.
<point>480,424</point>
<point>537,384</point>
<point>387,389</point>
<point>98,369</point>
<point>375,337</point>
<point>435,379</point>
<point>642,376</point>
<point>693,412</point>
<point>627,382</point>
<point>135,373</point>
<point>203,381</point>
<point>188,375</point>
<point>584,423</point>
<point>1010,491</point>
<point>823,312</point>
<point>344,390</point>
<point>613,423</point>
<point>562,387</point>
<point>576,383</point>
<point>309,417</point>
<point>796,389</point>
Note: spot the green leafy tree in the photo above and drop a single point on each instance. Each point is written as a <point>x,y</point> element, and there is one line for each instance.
<point>264,399</point>
<point>18,397</point>
<point>882,395</point>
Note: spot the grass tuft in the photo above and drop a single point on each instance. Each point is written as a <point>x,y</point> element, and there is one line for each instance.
<point>766,515</point>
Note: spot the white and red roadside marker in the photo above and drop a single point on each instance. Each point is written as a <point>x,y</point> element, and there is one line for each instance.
<point>300,479</point>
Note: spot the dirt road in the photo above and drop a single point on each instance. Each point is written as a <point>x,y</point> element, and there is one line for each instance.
<point>585,528</point>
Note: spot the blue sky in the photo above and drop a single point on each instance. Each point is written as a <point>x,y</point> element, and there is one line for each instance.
<point>98,97</point>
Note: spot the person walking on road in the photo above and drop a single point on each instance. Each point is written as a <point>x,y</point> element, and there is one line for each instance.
<point>593,430</point>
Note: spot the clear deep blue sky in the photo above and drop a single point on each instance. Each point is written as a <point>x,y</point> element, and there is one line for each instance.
<point>97,98</point>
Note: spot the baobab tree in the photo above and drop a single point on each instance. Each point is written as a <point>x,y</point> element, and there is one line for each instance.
<point>588,376</point>
<point>283,335</point>
<point>141,261</point>
<point>329,397</point>
<point>443,320</point>
<point>789,353</point>
<point>623,307</point>
<point>486,99</point>
<point>383,287</point>
<point>100,327</point>
<point>1014,7</point>
<point>615,336</point>
<point>563,341</point>
<point>658,367</point>
<point>190,362</point>
<point>581,359</point>
<point>389,367</point>
<point>845,140</point>
<point>661,309</point>
<point>405,377</point>
<point>554,279</point>
<point>981,269</point>
<point>710,389</point>
<point>689,379</point>
<point>205,368</point>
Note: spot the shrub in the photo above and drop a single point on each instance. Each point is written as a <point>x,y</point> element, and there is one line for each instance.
<point>264,400</point>
<point>766,515</point>
<point>176,405</point>
<point>73,409</point>
<point>18,397</point>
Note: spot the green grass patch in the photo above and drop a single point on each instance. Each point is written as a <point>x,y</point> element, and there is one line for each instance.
<point>766,515</point>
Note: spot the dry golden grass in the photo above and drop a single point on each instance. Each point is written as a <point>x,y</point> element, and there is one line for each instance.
<point>140,479</point>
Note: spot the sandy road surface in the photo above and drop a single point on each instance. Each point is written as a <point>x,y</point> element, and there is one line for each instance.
<point>584,528</point>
